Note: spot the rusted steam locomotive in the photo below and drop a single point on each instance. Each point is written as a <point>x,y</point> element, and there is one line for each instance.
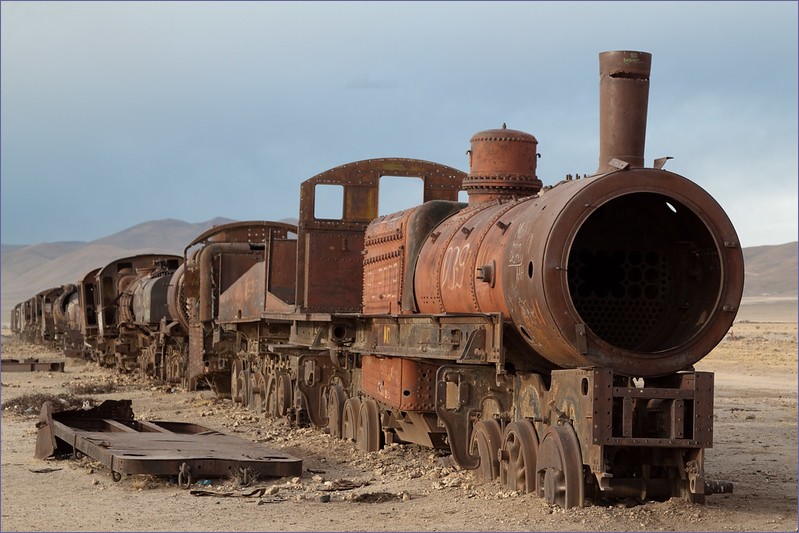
<point>544,337</point>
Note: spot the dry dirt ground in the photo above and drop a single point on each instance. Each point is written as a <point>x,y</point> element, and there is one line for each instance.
<point>403,488</point>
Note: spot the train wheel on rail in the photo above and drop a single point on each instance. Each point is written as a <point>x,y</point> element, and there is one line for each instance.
<point>335,409</point>
<point>349,419</point>
<point>518,456</point>
<point>485,442</point>
<point>369,431</point>
<point>559,468</point>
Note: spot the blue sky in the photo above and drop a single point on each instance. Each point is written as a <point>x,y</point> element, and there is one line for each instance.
<point>115,113</point>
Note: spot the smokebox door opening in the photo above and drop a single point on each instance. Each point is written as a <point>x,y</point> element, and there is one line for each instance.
<point>644,273</point>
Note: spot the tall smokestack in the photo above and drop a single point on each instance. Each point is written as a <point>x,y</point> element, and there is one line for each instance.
<point>623,99</point>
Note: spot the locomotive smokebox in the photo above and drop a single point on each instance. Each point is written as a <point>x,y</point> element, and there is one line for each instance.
<point>623,100</point>
<point>501,166</point>
<point>638,270</point>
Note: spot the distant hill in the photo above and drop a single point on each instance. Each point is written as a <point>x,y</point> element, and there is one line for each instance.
<point>169,234</point>
<point>771,271</point>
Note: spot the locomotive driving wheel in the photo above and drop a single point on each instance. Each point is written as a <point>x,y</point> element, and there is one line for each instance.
<point>335,409</point>
<point>259,393</point>
<point>559,468</point>
<point>349,419</point>
<point>518,456</point>
<point>485,442</point>
<point>369,432</point>
<point>283,394</point>
<point>271,398</point>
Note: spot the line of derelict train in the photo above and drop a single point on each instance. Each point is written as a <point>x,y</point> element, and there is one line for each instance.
<point>544,337</point>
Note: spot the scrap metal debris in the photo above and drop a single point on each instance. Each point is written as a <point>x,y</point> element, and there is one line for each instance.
<point>30,365</point>
<point>257,493</point>
<point>44,470</point>
<point>341,484</point>
<point>109,434</point>
<point>376,497</point>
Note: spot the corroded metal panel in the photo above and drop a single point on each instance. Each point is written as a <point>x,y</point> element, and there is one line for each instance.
<point>244,299</point>
<point>334,281</point>
<point>282,280</point>
<point>391,252</point>
<point>383,264</point>
<point>336,245</point>
<point>400,383</point>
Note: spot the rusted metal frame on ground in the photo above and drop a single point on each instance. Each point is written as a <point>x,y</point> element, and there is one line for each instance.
<point>30,365</point>
<point>109,434</point>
